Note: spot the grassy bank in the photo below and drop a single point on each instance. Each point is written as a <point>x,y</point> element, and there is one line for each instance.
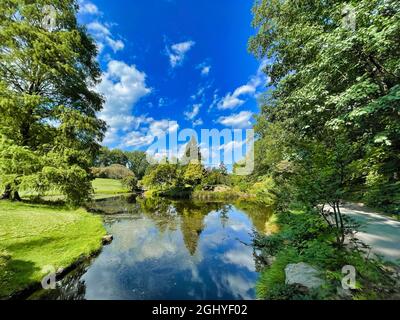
<point>35,236</point>
<point>104,188</point>
<point>221,195</point>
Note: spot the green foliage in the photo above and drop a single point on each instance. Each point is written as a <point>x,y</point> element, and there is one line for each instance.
<point>272,279</point>
<point>216,176</point>
<point>336,98</point>
<point>228,194</point>
<point>131,183</point>
<point>264,190</point>
<point>107,157</point>
<point>138,163</point>
<point>240,183</point>
<point>193,174</point>
<point>304,237</point>
<point>49,132</point>
<point>163,176</point>
<point>381,192</point>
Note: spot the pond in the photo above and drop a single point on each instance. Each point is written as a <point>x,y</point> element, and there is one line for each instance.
<point>166,249</point>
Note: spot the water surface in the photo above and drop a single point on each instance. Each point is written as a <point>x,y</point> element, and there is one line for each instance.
<point>166,249</point>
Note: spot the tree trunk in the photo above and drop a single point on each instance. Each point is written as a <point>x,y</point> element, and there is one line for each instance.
<point>342,231</point>
<point>9,194</point>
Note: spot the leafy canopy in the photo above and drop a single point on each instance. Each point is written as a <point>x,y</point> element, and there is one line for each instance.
<point>48,125</point>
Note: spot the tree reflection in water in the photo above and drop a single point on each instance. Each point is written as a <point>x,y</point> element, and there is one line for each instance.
<point>170,248</point>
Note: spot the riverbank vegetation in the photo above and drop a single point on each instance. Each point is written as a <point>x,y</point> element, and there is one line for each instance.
<point>328,131</point>
<point>182,178</point>
<point>304,236</point>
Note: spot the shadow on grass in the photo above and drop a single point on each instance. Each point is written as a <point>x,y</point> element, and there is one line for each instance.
<point>41,201</point>
<point>16,278</point>
<point>35,243</point>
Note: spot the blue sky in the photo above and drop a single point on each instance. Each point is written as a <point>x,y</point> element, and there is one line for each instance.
<point>173,61</point>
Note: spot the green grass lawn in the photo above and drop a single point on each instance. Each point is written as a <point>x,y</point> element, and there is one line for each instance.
<point>103,188</point>
<point>35,236</point>
<point>108,187</point>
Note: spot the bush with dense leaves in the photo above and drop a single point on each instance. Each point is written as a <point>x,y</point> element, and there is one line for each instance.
<point>115,171</point>
<point>131,183</point>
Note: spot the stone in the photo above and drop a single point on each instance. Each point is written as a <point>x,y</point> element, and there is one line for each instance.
<point>108,239</point>
<point>304,275</point>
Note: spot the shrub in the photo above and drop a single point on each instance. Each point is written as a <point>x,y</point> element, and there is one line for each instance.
<point>115,171</point>
<point>304,237</point>
<point>215,176</point>
<point>263,190</point>
<point>162,177</point>
<point>193,174</point>
<point>272,279</point>
<point>130,182</point>
<point>382,193</point>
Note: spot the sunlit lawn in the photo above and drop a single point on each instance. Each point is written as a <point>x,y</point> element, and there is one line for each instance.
<point>35,236</point>
<point>103,188</point>
<point>107,187</point>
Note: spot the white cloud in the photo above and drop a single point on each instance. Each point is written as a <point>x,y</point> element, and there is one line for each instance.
<point>162,127</point>
<point>122,86</point>
<point>146,136</point>
<point>198,122</point>
<point>233,100</point>
<point>87,7</point>
<point>103,36</point>
<point>239,257</point>
<point>116,45</point>
<point>238,120</point>
<point>177,52</point>
<point>246,89</point>
<point>237,98</point>
<point>190,115</point>
<point>99,28</point>
<point>137,139</point>
<point>205,70</point>
<point>214,102</point>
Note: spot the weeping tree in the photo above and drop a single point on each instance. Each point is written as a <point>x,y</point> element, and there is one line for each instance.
<point>49,132</point>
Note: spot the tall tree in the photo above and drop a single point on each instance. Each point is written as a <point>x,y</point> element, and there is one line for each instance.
<point>48,125</point>
<point>335,67</point>
<point>137,162</point>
